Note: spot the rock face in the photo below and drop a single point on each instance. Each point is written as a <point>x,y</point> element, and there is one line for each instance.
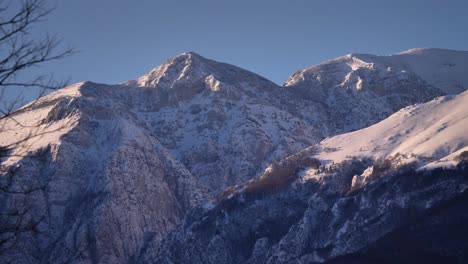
<point>92,185</point>
<point>312,222</point>
<point>102,173</point>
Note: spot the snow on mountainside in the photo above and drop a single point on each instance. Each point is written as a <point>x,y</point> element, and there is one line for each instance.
<point>221,120</point>
<point>91,184</point>
<point>25,121</point>
<point>424,136</point>
<point>444,69</point>
<point>427,133</point>
<point>358,90</point>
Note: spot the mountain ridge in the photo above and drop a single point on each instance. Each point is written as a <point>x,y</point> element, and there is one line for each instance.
<point>122,164</point>
<point>317,207</point>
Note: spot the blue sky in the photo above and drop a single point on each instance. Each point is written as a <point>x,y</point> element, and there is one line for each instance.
<point>120,40</point>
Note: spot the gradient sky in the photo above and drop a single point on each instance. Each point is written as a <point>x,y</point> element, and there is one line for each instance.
<point>120,40</point>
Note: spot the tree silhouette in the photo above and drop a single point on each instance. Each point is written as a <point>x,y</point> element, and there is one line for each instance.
<point>20,51</point>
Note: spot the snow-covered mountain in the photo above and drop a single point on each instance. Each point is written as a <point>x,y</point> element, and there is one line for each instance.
<point>425,136</point>
<point>99,165</point>
<point>358,90</point>
<point>102,173</point>
<point>221,120</point>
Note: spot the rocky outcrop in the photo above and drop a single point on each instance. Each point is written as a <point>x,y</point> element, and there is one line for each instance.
<point>313,223</point>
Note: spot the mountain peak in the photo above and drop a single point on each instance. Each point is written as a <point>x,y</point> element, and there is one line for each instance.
<point>187,58</point>
<point>192,69</point>
<point>191,54</point>
<point>441,68</point>
<point>186,65</point>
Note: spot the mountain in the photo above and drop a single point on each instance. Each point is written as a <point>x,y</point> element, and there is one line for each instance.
<point>358,90</point>
<point>99,173</point>
<point>89,183</point>
<point>219,119</point>
<point>423,136</point>
<point>103,173</point>
<point>241,120</point>
<point>395,192</point>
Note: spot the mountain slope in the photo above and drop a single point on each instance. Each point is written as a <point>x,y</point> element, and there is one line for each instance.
<point>432,130</point>
<point>441,68</point>
<point>335,203</point>
<point>358,90</point>
<point>91,185</point>
<point>313,223</point>
<point>221,120</point>
<point>424,136</point>
<point>120,165</point>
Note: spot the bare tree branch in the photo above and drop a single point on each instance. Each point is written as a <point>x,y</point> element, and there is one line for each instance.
<point>20,51</point>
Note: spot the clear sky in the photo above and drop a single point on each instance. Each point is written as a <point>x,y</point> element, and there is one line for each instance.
<point>120,40</point>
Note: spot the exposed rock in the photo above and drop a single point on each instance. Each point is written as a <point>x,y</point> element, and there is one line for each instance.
<point>313,223</point>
